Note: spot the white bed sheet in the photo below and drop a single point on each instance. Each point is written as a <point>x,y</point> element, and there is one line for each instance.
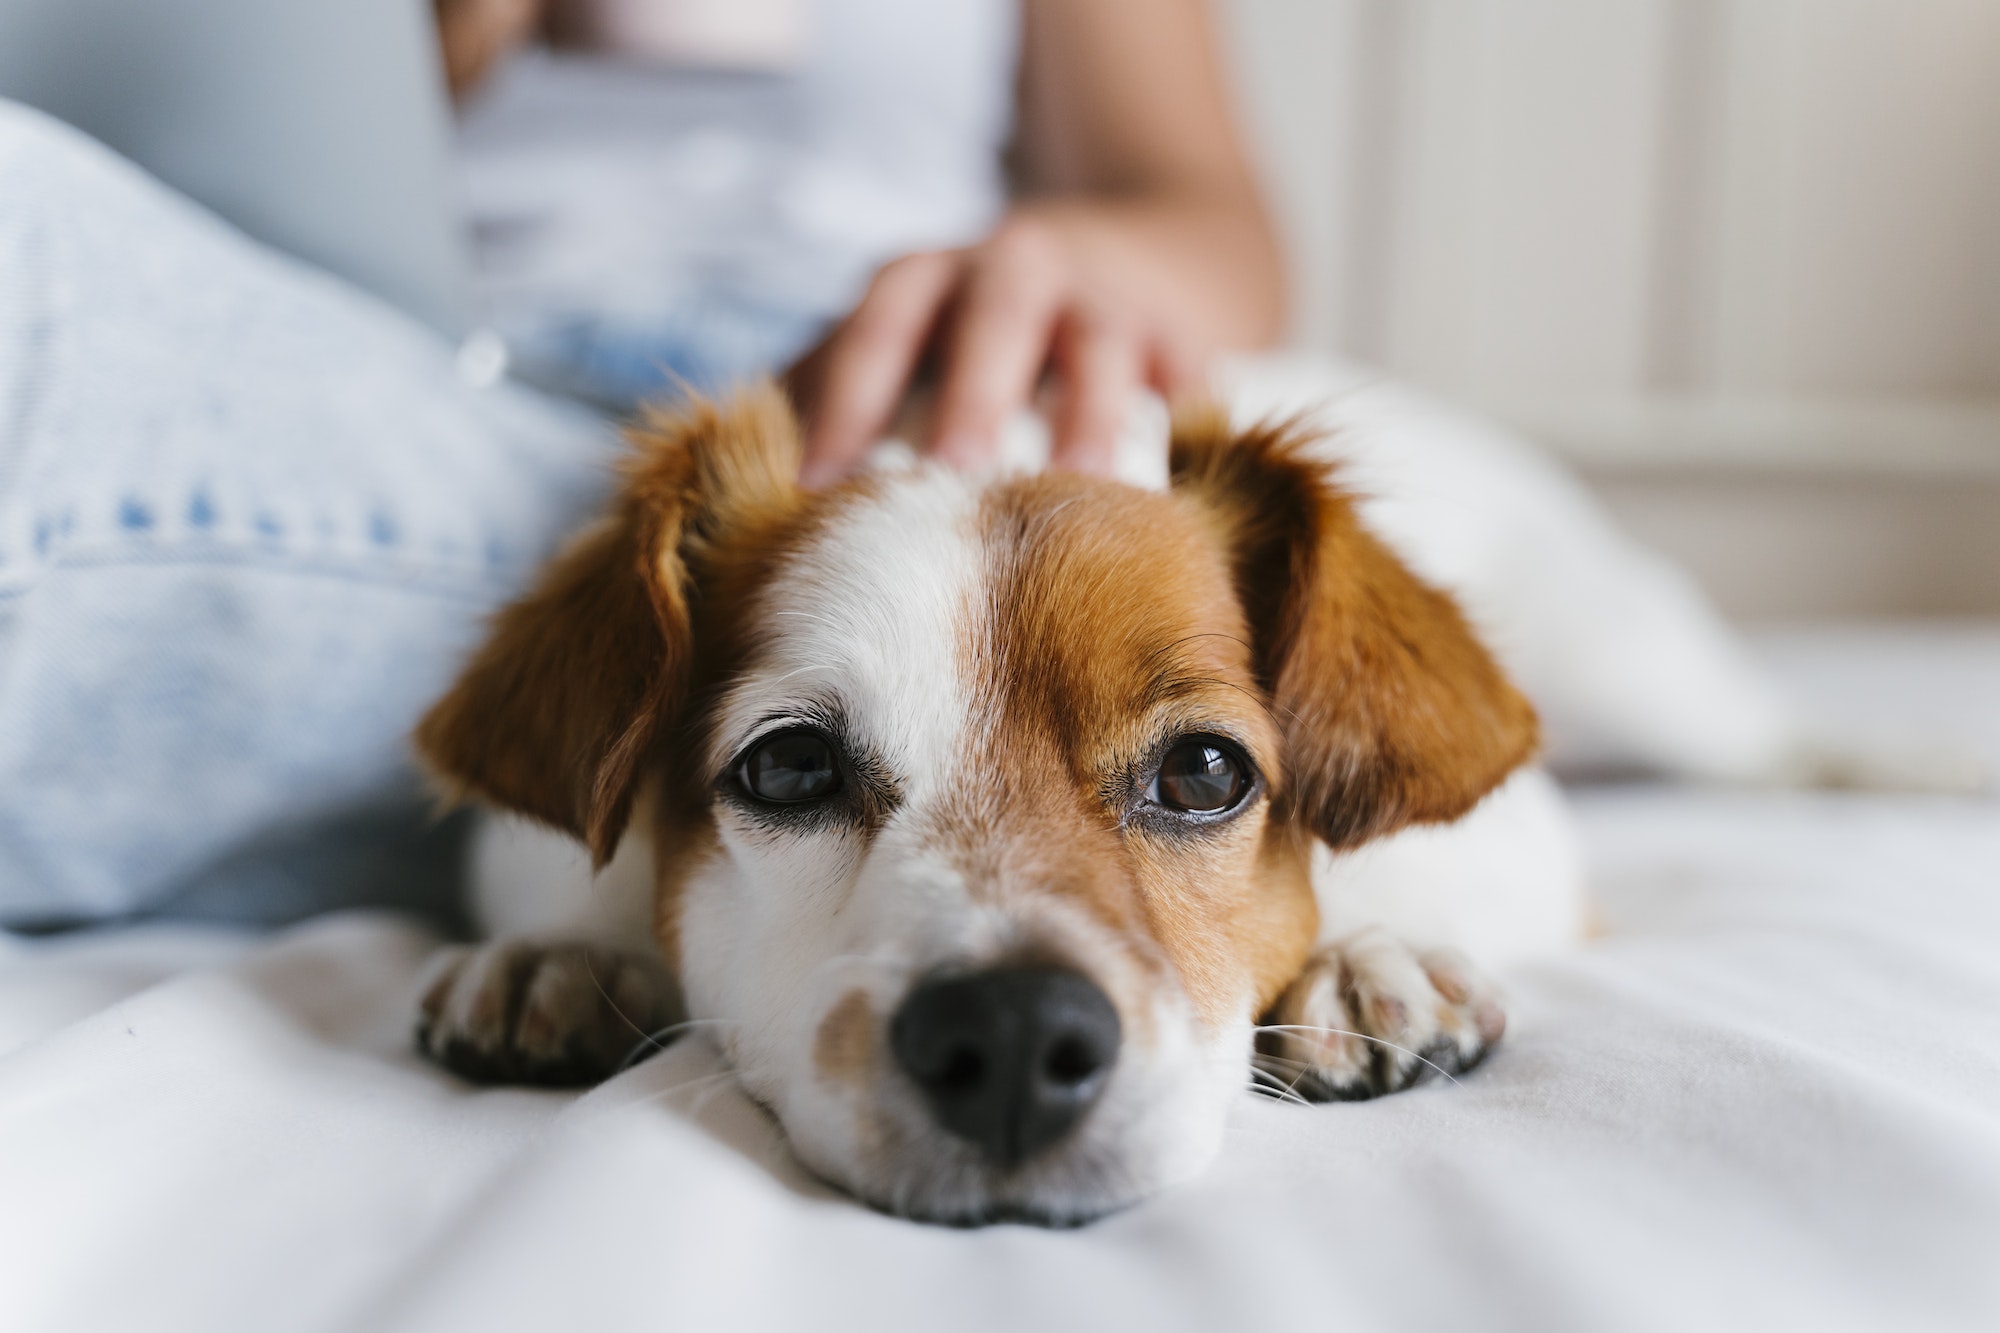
<point>1769,1098</point>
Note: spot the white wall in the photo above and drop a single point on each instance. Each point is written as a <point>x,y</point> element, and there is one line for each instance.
<point>1592,216</point>
<point>1519,199</point>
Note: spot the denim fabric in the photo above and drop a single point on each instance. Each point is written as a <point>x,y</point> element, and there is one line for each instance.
<point>717,340</point>
<point>250,521</point>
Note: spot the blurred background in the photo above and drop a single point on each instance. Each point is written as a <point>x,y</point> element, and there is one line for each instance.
<point>1737,261</point>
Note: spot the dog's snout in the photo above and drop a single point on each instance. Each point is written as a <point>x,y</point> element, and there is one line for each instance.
<point>1010,1058</point>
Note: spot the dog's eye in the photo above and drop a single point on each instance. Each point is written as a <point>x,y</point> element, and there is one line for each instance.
<point>1200,777</point>
<point>790,767</point>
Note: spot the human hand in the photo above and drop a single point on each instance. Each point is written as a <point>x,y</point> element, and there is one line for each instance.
<point>1070,291</point>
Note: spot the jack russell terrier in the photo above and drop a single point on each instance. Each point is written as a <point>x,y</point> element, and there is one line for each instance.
<point>998,830</point>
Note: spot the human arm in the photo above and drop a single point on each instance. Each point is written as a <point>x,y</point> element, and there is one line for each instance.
<point>474,34</point>
<point>1138,247</point>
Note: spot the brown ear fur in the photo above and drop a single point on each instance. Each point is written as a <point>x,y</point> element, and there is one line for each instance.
<point>1393,713</point>
<point>579,678</point>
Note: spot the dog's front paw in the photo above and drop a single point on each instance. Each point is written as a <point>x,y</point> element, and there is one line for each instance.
<point>1370,1015</point>
<point>561,1015</point>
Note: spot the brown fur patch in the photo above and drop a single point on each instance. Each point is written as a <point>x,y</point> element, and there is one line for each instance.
<point>1251,603</point>
<point>1111,626</point>
<point>844,1047</point>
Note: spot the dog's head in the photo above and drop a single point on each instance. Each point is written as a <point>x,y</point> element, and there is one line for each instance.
<point>982,810</point>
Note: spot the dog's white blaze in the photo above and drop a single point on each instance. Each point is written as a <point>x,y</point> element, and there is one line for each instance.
<point>870,616</point>
<point>874,612</point>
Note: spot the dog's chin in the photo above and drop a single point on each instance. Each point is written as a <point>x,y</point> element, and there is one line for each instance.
<point>1057,1194</point>
<point>919,1173</point>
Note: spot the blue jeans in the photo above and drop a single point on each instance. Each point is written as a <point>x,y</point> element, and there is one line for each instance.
<point>250,522</point>
<point>718,339</point>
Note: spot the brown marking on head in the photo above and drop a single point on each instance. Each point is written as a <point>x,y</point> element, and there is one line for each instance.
<point>844,1046</point>
<point>1250,603</point>
<point>1111,626</point>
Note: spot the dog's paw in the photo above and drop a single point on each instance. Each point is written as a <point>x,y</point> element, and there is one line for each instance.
<point>1370,1015</point>
<point>560,1015</point>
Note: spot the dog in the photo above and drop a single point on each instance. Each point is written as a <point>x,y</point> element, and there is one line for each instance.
<point>998,830</point>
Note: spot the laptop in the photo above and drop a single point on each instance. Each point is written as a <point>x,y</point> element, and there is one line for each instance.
<point>320,127</point>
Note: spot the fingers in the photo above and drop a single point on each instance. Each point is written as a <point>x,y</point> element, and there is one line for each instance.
<point>863,370</point>
<point>1100,363</point>
<point>1004,320</point>
<point>1174,370</point>
<point>1003,312</point>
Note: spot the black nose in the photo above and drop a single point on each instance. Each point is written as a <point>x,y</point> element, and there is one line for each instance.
<point>1010,1058</point>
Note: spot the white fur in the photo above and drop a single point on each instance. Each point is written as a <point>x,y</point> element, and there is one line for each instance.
<point>527,879</point>
<point>874,612</point>
<point>1504,884</point>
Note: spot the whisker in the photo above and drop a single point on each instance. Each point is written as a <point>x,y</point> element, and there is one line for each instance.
<point>1276,1088</point>
<point>684,1085</point>
<point>1302,1070</point>
<point>687,1023</point>
<point>1266,1058</point>
<point>708,1095</point>
<point>661,1038</point>
<point>1348,1032</point>
<point>590,968</point>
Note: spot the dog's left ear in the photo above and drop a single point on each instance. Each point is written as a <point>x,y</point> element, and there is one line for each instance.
<point>580,678</point>
<point>1393,713</point>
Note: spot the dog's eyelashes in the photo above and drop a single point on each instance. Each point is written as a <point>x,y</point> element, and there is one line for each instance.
<point>791,768</point>
<point>1200,776</point>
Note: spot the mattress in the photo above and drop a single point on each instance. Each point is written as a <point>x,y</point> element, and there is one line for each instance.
<point>1768,1096</point>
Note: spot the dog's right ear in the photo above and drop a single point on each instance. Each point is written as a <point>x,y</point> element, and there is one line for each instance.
<point>556,712</point>
<point>1392,710</point>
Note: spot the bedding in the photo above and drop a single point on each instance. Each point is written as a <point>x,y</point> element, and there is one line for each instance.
<point>1767,1097</point>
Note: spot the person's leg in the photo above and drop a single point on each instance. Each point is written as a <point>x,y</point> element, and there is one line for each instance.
<point>710,343</point>
<point>249,521</point>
